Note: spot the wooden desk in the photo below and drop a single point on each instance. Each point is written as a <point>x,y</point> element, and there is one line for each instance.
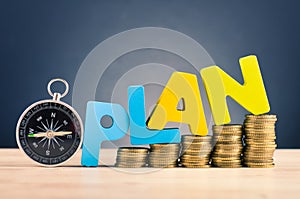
<point>20,178</point>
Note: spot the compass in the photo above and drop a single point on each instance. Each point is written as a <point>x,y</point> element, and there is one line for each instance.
<point>50,131</point>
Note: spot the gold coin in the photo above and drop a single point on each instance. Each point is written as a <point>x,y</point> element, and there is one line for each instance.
<point>271,116</point>
<point>223,164</point>
<point>196,146</point>
<point>191,150</point>
<point>196,137</point>
<point>226,160</point>
<point>261,143</point>
<point>163,166</point>
<point>225,155</point>
<point>125,164</point>
<point>202,145</point>
<point>258,161</point>
<point>131,158</point>
<point>234,150</point>
<point>132,154</point>
<point>196,166</point>
<point>129,166</point>
<point>227,133</point>
<point>262,120</point>
<point>250,153</point>
<point>164,153</point>
<point>196,155</point>
<point>261,166</point>
<point>229,166</point>
<point>195,150</point>
<point>202,162</point>
<point>225,152</point>
<point>134,149</point>
<point>224,136</point>
<point>194,159</point>
<point>260,135</point>
<point>223,142</point>
<point>257,164</point>
<point>258,129</point>
<point>172,145</point>
<point>163,157</point>
<point>162,162</point>
<point>255,155</point>
<point>227,126</point>
<point>260,148</point>
<point>262,139</point>
<point>229,140</point>
<point>194,162</point>
<point>229,147</point>
<point>223,146</point>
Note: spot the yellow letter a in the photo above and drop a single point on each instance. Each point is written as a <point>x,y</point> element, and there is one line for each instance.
<point>180,86</point>
<point>252,95</point>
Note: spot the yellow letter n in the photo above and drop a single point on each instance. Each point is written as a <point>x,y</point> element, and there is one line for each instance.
<point>251,95</point>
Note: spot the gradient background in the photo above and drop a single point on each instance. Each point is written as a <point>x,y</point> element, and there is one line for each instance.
<point>40,40</point>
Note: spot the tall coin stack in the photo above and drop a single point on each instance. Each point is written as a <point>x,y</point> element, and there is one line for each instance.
<point>260,140</point>
<point>164,155</point>
<point>229,146</point>
<point>196,151</point>
<point>132,157</point>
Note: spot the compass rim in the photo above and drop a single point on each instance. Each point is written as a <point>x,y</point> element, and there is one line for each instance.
<point>41,102</point>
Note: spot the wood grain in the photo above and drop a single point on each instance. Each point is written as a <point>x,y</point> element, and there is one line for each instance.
<point>20,178</point>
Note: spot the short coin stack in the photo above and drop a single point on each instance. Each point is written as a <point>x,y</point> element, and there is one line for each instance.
<point>196,151</point>
<point>132,157</point>
<point>228,149</point>
<point>260,140</point>
<point>164,155</point>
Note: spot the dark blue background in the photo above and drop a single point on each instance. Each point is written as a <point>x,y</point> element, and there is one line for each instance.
<point>40,40</point>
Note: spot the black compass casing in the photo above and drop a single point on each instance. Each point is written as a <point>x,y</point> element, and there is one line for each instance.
<point>49,132</point>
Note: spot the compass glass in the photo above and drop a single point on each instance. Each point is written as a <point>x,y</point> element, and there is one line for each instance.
<point>49,132</point>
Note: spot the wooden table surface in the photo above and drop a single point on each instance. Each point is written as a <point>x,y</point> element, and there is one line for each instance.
<point>20,178</point>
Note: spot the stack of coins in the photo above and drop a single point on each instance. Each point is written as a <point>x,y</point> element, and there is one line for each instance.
<point>229,146</point>
<point>132,157</point>
<point>196,151</point>
<point>164,155</point>
<point>260,140</point>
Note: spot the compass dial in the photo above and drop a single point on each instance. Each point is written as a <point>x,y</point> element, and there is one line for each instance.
<point>49,132</point>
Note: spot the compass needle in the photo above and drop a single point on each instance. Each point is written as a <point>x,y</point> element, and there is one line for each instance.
<point>62,133</point>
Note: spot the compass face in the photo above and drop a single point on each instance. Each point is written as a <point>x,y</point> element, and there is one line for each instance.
<point>49,132</point>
